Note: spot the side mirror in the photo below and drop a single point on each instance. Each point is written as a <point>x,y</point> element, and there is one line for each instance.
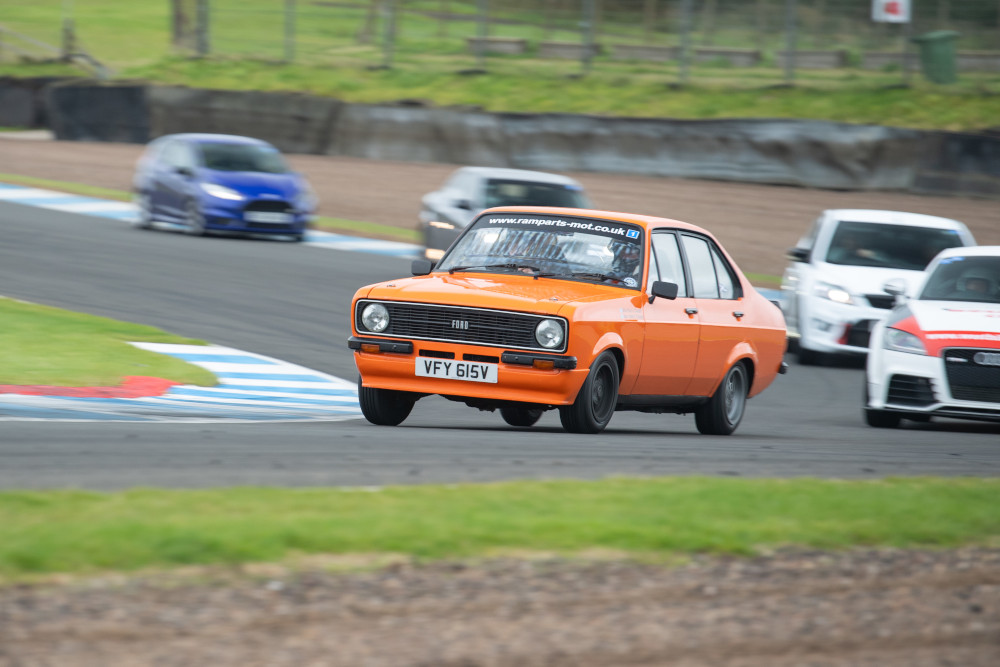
<point>798,254</point>
<point>664,290</point>
<point>421,267</point>
<point>185,171</point>
<point>463,204</point>
<point>896,287</point>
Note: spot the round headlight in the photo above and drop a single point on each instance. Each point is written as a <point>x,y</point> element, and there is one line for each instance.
<point>549,334</point>
<point>375,317</point>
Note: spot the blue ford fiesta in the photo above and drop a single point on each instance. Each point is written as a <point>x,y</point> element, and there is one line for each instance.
<point>221,183</point>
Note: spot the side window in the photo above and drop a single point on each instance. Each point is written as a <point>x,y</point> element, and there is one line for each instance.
<point>728,286</point>
<point>171,154</point>
<point>668,261</point>
<point>702,267</point>
<point>809,240</point>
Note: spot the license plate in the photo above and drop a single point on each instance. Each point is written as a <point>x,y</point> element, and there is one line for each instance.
<point>456,370</point>
<point>267,216</point>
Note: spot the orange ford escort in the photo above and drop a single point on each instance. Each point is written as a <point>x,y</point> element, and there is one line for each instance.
<point>586,311</point>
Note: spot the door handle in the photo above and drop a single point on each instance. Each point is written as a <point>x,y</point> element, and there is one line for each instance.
<point>737,314</point>
<point>691,311</point>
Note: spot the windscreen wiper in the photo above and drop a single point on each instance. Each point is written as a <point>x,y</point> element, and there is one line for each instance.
<point>508,265</point>
<point>580,274</point>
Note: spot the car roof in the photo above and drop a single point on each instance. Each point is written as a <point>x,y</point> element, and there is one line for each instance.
<point>971,251</point>
<point>645,221</point>
<point>864,215</point>
<point>519,175</point>
<point>203,137</point>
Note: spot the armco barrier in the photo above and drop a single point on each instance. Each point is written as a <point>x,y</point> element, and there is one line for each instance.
<point>294,122</point>
<point>22,101</point>
<point>773,151</point>
<point>95,111</point>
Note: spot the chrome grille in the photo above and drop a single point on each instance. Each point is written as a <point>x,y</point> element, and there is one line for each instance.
<point>969,380</point>
<point>473,326</point>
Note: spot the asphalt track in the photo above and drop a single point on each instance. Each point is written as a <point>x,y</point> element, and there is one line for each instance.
<point>291,302</point>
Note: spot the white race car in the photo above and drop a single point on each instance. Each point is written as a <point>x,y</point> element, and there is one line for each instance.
<point>938,354</point>
<point>832,290</point>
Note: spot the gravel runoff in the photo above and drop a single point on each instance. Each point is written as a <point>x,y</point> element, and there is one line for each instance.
<point>881,608</point>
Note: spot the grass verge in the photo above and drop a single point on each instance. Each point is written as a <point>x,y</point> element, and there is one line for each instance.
<point>84,532</point>
<point>49,346</point>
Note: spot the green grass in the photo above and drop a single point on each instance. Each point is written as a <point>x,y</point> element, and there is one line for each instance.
<point>82,532</point>
<point>246,36</point>
<point>63,186</point>
<point>50,346</point>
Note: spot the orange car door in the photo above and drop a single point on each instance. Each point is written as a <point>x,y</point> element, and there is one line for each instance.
<point>717,297</point>
<point>670,345</point>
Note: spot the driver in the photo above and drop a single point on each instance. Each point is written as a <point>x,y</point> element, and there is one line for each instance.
<point>626,266</point>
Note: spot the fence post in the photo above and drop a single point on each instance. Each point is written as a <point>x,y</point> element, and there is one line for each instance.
<point>791,40</point>
<point>482,33</point>
<point>68,31</point>
<point>202,40</point>
<point>289,31</point>
<point>588,34</point>
<point>685,40</point>
<point>389,37</point>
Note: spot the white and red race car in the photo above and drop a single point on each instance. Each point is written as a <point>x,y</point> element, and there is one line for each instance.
<point>938,354</point>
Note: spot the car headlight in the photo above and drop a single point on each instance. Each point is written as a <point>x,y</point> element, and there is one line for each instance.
<point>549,334</point>
<point>834,293</point>
<point>375,317</point>
<point>222,192</point>
<point>902,341</point>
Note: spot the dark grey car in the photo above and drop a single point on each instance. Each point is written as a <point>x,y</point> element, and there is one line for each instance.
<point>446,212</point>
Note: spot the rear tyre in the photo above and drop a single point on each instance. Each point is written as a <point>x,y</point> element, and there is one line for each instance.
<point>384,407</point>
<point>724,411</point>
<point>596,402</point>
<point>518,416</point>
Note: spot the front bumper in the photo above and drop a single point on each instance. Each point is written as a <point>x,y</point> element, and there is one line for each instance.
<point>917,385</point>
<point>231,217</point>
<point>391,364</point>
<point>827,326</point>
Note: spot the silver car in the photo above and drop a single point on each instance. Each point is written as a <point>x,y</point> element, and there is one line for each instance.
<point>446,212</point>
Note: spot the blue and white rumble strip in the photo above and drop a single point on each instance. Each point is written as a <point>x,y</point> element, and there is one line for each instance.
<point>122,211</point>
<point>251,388</point>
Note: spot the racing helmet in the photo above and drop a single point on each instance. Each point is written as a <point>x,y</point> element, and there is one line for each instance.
<point>977,279</point>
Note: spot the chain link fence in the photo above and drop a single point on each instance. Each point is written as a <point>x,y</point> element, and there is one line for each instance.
<point>741,41</point>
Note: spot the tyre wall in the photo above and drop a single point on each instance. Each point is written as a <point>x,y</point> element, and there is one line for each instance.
<point>772,151</point>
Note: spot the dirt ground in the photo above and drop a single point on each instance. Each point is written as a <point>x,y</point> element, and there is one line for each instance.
<point>756,223</point>
<point>865,608</point>
<point>859,609</point>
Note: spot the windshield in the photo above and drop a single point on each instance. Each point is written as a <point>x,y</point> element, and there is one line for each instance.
<point>889,246</point>
<point>525,193</point>
<point>964,279</point>
<point>243,157</point>
<point>550,246</point>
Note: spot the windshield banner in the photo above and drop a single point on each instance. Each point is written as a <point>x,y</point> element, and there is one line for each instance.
<point>616,230</point>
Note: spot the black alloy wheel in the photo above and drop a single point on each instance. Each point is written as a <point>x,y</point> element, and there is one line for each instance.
<point>518,416</point>
<point>724,411</point>
<point>879,418</point>
<point>598,397</point>
<point>384,407</point>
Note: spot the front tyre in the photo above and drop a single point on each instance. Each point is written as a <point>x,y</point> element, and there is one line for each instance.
<point>195,219</point>
<point>879,418</point>
<point>144,211</point>
<point>724,411</point>
<point>384,407</point>
<point>596,402</point>
<point>522,417</point>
